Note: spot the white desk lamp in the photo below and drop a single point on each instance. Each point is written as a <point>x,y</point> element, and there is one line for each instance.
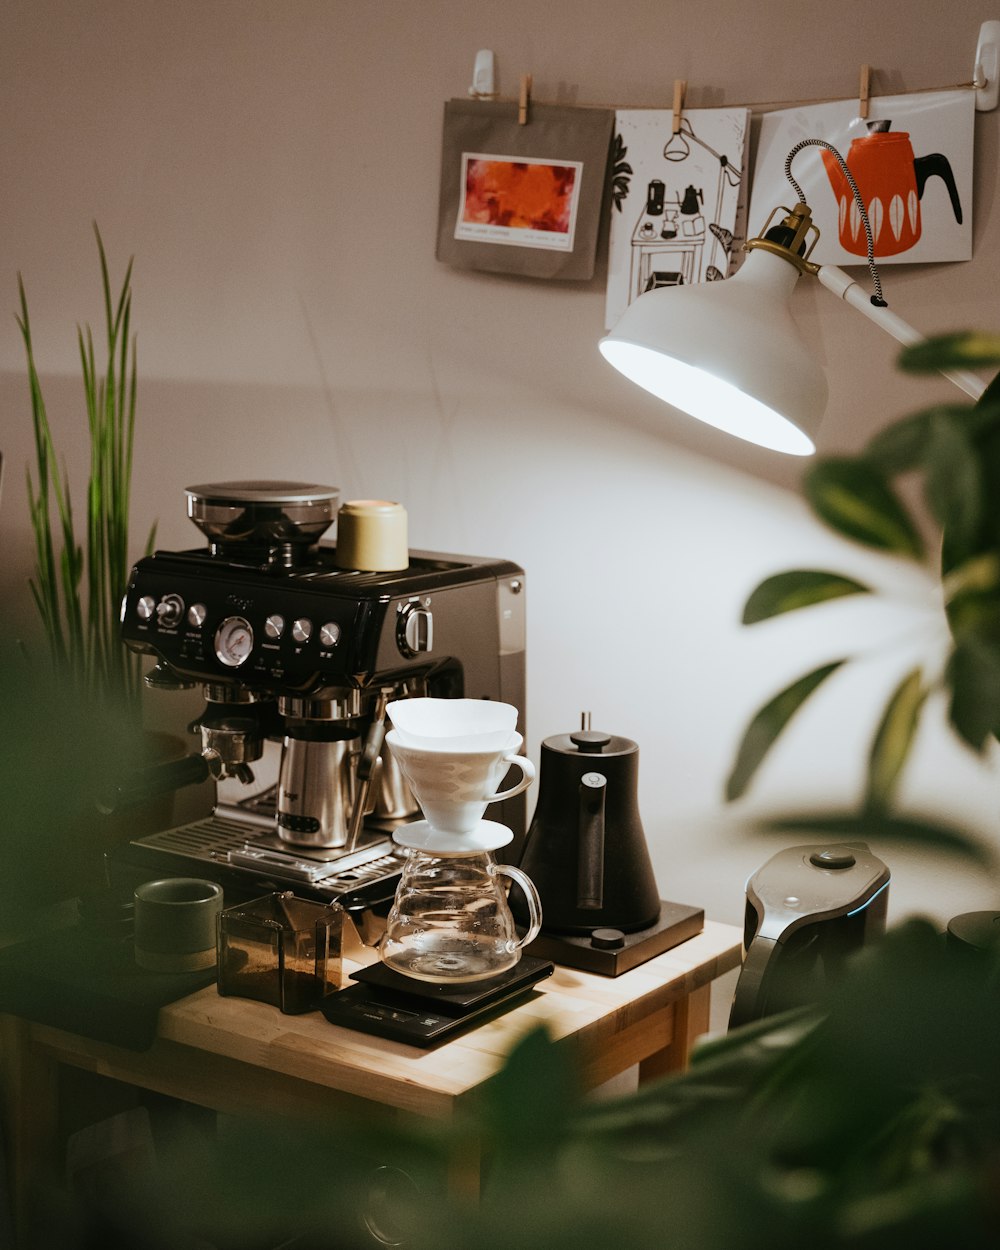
<point>729,353</point>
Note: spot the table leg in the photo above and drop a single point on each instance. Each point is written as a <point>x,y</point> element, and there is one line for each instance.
<point>30,1120</point>
<point>691,1018</point>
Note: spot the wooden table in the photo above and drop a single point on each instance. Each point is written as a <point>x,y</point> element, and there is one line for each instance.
<point>243,1057</point>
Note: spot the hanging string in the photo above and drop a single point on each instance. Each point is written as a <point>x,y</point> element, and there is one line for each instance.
<point>758,106</point>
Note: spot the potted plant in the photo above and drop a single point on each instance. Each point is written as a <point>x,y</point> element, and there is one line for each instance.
<point>86,677</point>
<point>81,568</point>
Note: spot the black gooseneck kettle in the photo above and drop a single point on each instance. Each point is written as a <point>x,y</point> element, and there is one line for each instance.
<point>585,850</point>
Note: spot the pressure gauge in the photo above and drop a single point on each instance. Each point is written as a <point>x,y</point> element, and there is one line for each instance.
<point>234,641</point>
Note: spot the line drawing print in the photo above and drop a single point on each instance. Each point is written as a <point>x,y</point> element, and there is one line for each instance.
<point>679,201</point>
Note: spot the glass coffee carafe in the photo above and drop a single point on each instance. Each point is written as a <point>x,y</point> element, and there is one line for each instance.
<point>450,920</point>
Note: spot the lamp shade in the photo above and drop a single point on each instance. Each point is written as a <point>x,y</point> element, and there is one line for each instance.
<point>727,353</point>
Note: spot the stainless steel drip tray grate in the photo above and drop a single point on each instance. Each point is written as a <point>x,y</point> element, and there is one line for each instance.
<point>210,839</point>
<point>239,845</point>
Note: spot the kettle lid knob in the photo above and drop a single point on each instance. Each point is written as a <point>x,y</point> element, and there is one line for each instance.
<point>590,741</point>
<point>833,857</point>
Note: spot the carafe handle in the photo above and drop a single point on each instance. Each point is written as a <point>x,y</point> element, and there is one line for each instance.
<point>530,896</point>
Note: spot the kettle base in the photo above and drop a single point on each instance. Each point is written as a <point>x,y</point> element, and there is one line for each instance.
<point>610,952</point>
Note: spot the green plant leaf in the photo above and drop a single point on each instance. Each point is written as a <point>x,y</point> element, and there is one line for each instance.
<point>990,398</point>
<point>893,740</point>
<point>951,351</point>
<point>882,827</point>
<point>953,485</point>
<point>798,588</point>
<point>903,445</point>
<point>766,726</point>
<point>853,496</point>
<point>973,677</point>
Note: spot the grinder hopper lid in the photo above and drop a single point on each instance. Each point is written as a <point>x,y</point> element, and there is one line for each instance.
<point>262,513</point>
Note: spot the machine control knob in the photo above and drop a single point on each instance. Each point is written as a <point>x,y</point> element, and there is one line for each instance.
<point>197,613</point>
<point>145,607</point>
<point>414,630</point>
<point>274,626</point>
<point>169,611</point>
<point>329,634</point>
<point>302,629</point>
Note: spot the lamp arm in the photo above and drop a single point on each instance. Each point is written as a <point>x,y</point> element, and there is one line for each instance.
<point>844,286</point>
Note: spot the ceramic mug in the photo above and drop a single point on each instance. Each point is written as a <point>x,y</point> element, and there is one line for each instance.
<point>454,788</point>
<point>175,923</point>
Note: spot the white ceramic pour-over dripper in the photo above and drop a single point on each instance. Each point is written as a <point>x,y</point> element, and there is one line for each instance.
<point>454,788</point>
<point>453,724</point>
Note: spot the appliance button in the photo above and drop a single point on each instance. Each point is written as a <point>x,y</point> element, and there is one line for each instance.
<point>302,629</point>
<point>607,939</point>
<point>274,626</point>
<point>833,857</point>
<point>329,634</point>
<point>196,615</point>
<point>145,607</point>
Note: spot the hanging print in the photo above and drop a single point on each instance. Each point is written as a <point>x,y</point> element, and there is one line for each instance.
<point>911,160</point>
<point>522,199</point>
<point>523,202</point>
<point>678,200</point>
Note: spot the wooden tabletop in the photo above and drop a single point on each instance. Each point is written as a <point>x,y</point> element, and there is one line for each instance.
<point>595,1013</point>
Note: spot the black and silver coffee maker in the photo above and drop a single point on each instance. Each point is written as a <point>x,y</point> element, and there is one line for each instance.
<point>587,855</point>
<point>297,657</point>
<point>807,909</point>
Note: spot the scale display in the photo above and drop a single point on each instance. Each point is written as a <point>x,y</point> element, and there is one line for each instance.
<point>386,1004</point>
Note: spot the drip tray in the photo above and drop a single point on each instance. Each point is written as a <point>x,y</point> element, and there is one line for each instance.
<point>321,854</point>
<point>610,952</point>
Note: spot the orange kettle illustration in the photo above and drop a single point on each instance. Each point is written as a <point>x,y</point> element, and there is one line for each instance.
<point>891,181</point>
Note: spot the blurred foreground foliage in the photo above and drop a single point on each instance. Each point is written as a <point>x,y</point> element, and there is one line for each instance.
<point>871,1120</point>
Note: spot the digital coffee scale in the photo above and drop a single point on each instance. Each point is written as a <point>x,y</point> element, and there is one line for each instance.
<point>387,1004</point>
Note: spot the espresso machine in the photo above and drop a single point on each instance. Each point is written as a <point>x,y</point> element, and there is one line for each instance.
<point>297,655</point>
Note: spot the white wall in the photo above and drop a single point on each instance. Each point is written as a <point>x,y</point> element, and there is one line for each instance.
<point>273,167</point>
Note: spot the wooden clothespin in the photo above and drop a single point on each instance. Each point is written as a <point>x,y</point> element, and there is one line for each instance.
<point>865,92</point>
<point>680,89</point>
<point>524,99</point>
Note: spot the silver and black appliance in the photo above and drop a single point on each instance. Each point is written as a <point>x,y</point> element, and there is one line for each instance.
<point>807,910</point>
<point>297,658</point>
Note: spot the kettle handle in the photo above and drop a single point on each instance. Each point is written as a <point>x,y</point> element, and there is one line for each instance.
<point>531,898</point>
<point>750,999</point>
<point>590,842</point>
<point>925,167</point>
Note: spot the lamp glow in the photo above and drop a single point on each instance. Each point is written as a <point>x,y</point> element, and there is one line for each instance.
<point>708,398</point>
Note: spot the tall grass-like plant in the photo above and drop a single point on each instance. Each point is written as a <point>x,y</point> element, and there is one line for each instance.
<point>79,580</point>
